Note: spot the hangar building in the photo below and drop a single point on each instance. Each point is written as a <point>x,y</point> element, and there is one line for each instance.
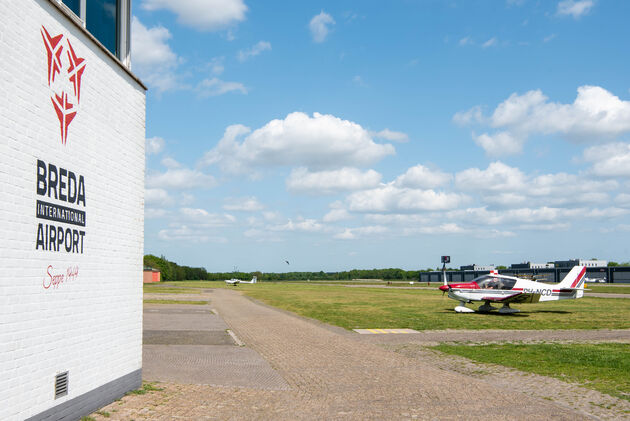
<point>72,132</point>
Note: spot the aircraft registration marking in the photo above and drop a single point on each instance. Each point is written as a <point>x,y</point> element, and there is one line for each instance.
<point>384,331</point>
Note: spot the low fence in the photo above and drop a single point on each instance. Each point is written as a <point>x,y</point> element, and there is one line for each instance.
<point>617,274</point>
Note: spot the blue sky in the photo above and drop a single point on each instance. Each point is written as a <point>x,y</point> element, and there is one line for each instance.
<point>361,134</point>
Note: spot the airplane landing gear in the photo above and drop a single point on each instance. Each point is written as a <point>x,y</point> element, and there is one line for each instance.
<point>461,308</point>
<point>507,310</point>
<point>486,308</point>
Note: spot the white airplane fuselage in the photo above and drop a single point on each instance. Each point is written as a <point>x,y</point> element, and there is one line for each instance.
<point>467,292</point>
<point>495,288</point>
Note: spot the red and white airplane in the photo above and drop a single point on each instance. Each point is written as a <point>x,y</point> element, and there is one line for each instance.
<point>503,289</point>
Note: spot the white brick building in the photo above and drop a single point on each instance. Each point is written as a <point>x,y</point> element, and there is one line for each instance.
<point>72,130</point>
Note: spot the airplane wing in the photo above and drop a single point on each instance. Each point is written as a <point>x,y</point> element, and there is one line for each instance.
<point>517,297</point>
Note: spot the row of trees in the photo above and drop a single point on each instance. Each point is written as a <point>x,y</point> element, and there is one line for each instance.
<point>171,271</point>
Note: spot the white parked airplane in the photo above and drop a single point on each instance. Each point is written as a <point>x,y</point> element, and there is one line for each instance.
<point>495,288</point>
<point>235,281</point>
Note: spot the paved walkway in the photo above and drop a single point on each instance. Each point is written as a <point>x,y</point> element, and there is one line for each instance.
<point>191,344</point>
<point>332,376</point>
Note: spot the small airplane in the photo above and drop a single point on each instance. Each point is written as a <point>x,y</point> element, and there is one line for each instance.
<point>235,282</point>
<point>504,289</point>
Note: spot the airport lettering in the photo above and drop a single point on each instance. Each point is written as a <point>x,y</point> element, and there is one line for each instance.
<point>66,186</point>
<point>61,183</point>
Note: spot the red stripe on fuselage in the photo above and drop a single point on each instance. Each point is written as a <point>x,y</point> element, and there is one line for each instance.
<point>467,285</point>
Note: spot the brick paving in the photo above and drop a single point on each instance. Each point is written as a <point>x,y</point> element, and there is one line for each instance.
<point>331,376</point>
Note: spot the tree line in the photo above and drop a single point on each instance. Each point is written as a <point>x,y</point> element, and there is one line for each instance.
<point>171,271</point>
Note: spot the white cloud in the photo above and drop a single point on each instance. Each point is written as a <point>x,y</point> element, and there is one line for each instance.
<point>154,145</point>
<point>170,163</point>
<point>204,219</point>
<point>203,15</point>
<point>254,51</point>
<point>490,43</point>
<point>360,232</point>
<point>448,228</point>
<point>392,199</point>
<point>180,179</point>
<point>391,135</point>
<point>152,57</point>
<point>595,114</point>
<point>472,116</point>
<point>244,204</point>
<point>319,26</point>
<point>215,65</point>
<point>335,215</point>
<point>575,8</point>
<point>317,142</point>
<point>497,177</point>
<point>154,213</point>
<point>466,41</point>
<point>158,197</point>
<point>507,186</point>
<point>499,144</point>
<point>623,199</point>
<point>301,180</point>
<point>423,178</point>
<point>187,234</point>
<point>549,38</point>
<point>610,160</point>
<point>305,225</point>
<point>215,87</point>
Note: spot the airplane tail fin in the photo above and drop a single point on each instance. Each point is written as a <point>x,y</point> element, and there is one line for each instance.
<point>574,279</point>
<point>254,279</point>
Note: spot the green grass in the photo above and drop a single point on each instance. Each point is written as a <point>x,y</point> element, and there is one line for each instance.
<point>166,290</point>
<point>175,302</point>
<point>146,387</point>
<point>611,289</point>
<point>424,309</point>
<point>604,367</point>
<point>429,310</point>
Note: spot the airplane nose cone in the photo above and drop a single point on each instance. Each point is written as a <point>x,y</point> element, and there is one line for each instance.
<point>444,288</point>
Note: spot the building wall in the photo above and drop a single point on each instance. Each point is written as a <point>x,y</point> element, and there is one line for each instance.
<point>150,276</point>
<point>79,310</point>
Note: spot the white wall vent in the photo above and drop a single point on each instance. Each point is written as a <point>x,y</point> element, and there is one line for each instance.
<point>61,385</point>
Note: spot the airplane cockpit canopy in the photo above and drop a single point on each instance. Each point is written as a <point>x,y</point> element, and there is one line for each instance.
<point>492,282</point>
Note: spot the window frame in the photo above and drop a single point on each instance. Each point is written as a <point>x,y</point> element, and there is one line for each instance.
<point>123,27</point>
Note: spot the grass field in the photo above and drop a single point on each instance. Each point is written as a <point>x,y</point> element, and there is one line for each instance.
<point>612,289</point>
<point>175,302</point>
<point>425,309</point>
<point>166,290</point>
<point>604,367</point>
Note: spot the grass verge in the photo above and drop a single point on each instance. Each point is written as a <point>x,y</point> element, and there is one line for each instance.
<point>146,387</point>
<point>603,367</point>
<point>175,302</point>
<point>166,290</point>
<point>608,289</point>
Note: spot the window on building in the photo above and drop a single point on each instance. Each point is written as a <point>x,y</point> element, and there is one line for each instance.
<point>108,21</point>
<point>101,20</point>
<point>74,5</point>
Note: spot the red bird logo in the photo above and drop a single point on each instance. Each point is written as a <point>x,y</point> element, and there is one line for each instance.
<point>64,78</point>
